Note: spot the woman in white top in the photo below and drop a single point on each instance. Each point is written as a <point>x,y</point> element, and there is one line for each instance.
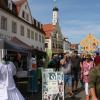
<point>8,90</point>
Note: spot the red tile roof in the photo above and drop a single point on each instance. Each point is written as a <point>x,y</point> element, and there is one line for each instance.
<point>48,29</point>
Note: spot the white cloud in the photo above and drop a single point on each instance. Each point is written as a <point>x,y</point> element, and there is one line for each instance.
<point>84,30</point>
<point>72,21</point>
<point>77,22</point>
<point>76,35</point>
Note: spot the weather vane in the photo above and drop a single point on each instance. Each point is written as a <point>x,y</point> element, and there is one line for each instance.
<point>55,2</point>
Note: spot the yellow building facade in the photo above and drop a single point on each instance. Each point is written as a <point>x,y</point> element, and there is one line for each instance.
<point>89,43</point>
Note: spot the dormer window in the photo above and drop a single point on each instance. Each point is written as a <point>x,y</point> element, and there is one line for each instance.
<point>27,17</point>
<point>40,25</point>
<point>23,14</point>
<point>25,6</point>
<point>10,4</point>
<point>36,23</point>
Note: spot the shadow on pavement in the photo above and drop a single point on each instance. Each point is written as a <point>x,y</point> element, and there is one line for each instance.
<point>75,98</point>
<point>33,96</point>
<point>78,91</point>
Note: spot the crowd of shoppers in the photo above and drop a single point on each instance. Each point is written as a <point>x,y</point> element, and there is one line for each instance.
<point>83,68</point>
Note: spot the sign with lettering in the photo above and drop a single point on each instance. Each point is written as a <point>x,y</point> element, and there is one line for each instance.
<point>52,85</point>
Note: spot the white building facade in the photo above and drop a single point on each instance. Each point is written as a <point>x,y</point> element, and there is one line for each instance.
<point>22,25</point>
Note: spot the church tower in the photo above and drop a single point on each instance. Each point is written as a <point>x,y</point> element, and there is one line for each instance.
<point>55,15</point>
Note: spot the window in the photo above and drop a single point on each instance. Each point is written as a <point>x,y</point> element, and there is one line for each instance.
<point>39,38</point>
<point>36,36</point>
<point>37,23</point>
<point>23,14</point>
<point>22,30</point>
<point>53,45</point>
<point>28,33</point>
<point>43,39</point>
<point>32,35</point>
<point>56,45</point>
<point>3,23</point>
<point>25,6</point>
<point>27,17</point>
<point>9,6</point>
<point>59,46</point>
<point>46,45</point>
<point>14,27</point>
<point>54,35</point>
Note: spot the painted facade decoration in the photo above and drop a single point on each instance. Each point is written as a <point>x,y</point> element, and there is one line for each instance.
<point>90,44</point>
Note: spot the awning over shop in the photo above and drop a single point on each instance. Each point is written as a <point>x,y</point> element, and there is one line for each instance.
<point>14,45</point>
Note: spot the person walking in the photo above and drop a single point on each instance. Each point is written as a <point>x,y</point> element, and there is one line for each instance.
<point>82,56</point>
<point>75,70</point>
<point>86,67</point>
<point>97,59</point>
<point>94,83</point>
<point>8,90</point>
<point>66,67</point>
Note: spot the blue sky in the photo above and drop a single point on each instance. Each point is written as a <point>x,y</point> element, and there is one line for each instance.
<point>77,18</point>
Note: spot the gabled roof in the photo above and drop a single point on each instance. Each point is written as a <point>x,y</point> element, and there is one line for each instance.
<point>90,38</point>
<point>18,4</point>
<point>48,29</point>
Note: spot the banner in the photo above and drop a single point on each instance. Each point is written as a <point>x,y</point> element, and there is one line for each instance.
<point>52,85</point>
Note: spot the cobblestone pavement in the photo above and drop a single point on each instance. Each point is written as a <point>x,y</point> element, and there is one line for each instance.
<point>38,96</point>
<point>79,96</point>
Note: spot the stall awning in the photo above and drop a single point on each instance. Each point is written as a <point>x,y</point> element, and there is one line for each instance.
<point>14,45</point>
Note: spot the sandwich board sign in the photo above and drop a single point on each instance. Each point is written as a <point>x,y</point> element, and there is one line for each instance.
<point>52,85</point>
